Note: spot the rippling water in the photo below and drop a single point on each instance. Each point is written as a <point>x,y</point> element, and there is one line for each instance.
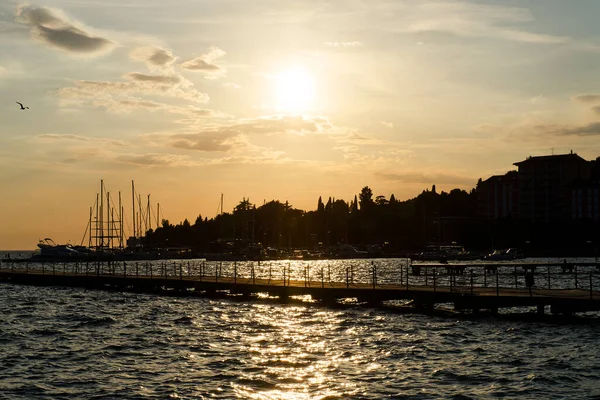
<point>71,343</point>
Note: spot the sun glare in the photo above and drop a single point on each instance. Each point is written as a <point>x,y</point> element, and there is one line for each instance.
<point>294,91</point>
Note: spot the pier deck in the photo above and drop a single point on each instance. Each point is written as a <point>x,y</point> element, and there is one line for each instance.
<point>465,296</point>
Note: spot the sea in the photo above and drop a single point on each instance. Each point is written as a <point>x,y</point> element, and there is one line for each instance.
<point>71,343</point>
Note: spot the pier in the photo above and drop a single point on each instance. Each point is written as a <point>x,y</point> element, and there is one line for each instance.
<point>564,288</point>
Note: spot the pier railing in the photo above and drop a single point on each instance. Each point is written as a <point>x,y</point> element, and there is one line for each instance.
<point>380,273</point>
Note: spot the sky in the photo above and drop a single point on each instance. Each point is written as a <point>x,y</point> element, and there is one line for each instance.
<point>285,100</point>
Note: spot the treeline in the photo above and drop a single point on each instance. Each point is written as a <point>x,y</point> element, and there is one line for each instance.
<point>368,220</point>
<point>364,220</point>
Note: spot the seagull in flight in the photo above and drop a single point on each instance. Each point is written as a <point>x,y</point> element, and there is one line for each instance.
<point>22,108</point>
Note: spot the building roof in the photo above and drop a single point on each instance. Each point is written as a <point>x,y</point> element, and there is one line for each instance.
<point>557,158</point>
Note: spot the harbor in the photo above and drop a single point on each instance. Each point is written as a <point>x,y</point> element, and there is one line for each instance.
<point>558,286</point>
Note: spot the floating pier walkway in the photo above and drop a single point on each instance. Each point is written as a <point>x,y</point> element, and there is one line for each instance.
<point>565,288</point>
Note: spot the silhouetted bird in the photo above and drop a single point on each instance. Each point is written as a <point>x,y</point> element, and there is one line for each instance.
<point>22,108</point>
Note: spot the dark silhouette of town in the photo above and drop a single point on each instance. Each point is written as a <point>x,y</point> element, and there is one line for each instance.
<point>549,206</point>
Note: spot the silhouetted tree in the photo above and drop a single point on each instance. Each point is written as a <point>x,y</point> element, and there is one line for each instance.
<point>365,198</point>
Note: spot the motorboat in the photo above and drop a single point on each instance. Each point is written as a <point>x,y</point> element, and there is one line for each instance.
<point>504,255</point>
<point>49,249</point>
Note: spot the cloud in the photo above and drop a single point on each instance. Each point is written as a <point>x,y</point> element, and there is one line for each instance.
<point>231,85</point>
<point>591,129</point>
<point>56,30</point>
<point>596,109</point>
<point>587,98</point>
<point>342,44</point>
<point>55,137</point>
<point>228,137</point>
<point>355,138</point>
<point>472,20</point>
<point>154,57</point>
<point>387,124</point>
<point>190,113</point>
<point>428,178</point>
<point>154,159</point>
<point>175,86</point>
<point>218,140</point>
<point>205,63</point>
<point>162,79</point>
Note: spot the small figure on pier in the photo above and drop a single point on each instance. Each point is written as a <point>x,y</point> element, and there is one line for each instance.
<point>529,281</point>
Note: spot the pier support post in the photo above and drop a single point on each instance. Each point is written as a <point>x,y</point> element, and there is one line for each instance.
<point>471,282</point>
<point>347,277</point>
<point>484,277</point>
<point>540,309</point>
<point>374,275</point>
<point>497,284</point>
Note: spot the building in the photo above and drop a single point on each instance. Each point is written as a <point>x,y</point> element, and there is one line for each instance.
<point>545,186</point>
<point>585,196</point>
<point>498,196</point>
<point>585,201</point>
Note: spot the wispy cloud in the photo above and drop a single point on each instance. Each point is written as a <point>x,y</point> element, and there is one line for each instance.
<point>154,57</point>
<point>427,178</point>
<point>175,86</point>
<point>155,159</point>
<point>205,63</point>
<point>231,85</point>
<point>588,98</point>
<point>56,30</point>
<point>591,129</point>
<point>472,20</point>
<point>55,137</point>
<point>343,44</point>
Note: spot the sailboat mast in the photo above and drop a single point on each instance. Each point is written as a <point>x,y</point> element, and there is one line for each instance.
<point>90,241</point>
<point>102,213</point>
<point>121,241</point>
<point>120,222</point>
<point>221,204</point>
<point>157,214</point>
<point>133,208</point>
<point>108,220</point>
<point>148,214</point>
<point>140,214</point>
<point>96,227</point>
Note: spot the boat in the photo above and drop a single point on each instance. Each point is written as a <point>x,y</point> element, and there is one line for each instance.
<point>50,250</point>
<point>504,255</point>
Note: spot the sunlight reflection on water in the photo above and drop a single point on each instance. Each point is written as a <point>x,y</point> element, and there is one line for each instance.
<point>72,343</point>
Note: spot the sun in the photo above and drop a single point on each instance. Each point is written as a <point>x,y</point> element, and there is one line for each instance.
<point>294,91</point>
